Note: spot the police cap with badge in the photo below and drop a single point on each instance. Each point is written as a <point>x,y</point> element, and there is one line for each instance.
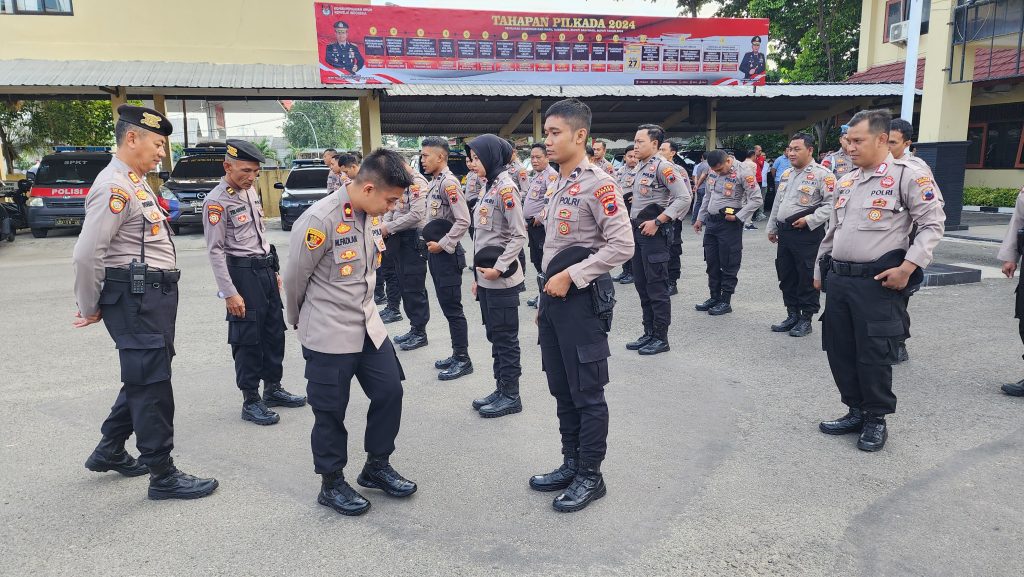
<point>488,256</point>
<point>436,229</point>
<point>145,118</point>
<point>244,150</point>
<point>601,289</point>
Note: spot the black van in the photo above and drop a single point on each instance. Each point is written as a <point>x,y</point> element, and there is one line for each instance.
<point>196,173</point>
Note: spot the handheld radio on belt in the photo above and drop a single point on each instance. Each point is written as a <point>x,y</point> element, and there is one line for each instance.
<point>137,270</point>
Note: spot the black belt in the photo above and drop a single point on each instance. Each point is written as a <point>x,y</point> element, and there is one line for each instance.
<point>152,275</point>
<point>857,269</point>
<point>251,261</point>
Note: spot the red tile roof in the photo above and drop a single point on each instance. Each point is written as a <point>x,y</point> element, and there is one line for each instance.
<point>999,63</point>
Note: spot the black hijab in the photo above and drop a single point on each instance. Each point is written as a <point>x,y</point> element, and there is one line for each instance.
<point>493,153</point>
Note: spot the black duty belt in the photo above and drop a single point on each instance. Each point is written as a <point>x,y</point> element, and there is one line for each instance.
<point>152,275</point>
<point>857,269</point>
<point>251,261</point>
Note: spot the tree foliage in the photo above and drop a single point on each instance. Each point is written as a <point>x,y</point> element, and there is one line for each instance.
<point>336,124</point>
<point>691,7</point>
<point>812,41</point>
<point>27,126</point>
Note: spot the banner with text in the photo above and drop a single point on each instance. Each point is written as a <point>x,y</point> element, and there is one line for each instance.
<point>360,44</point>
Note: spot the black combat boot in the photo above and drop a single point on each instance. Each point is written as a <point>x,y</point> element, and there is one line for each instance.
<point>851,422</point>
<point>460,367</point>
<point>803,327</point>
<point>110,455</point>
<point>380,298</point>
<point>626,278</point>
<point>444,363</point>
<point>673,289</point>
<point>507,403</point>
<point>1014,389</point>
<point>477,403</point>
<point>417,339</point>
<point>873,437</point>
<point>336,493</point>
<point>902,355</point>
<point>532,303</point>
<point>167,482</point>
<point>255,410</point>
<point>788,324</point>
<point>379,474</point>
<point>561,477</point>
<point>723,306</point>
<point>274,395</point>
<point>390,315</point>
<point>586,487</point>
<point>641,341</point>
<point>658,342</point>
<point>706,305</point>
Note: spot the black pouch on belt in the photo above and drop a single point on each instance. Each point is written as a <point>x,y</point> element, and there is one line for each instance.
<point>275,262</point>
<point>825,265</point>
<point>602,297</point>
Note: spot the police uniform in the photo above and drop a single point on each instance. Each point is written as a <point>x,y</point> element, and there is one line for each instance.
<point>656,180</point>
<point>753,63</point>
<point>542,185</point>
<point>839,163</point>
<point>1010,251</point>
<point>335,180</point>
<point>344,56</point>
<point>334,255</point>
<point>735,193</point>
<point>606,166</point>
<point>125,268</point>
<point>869,232</point>
<point>586,210</point>
<point>446,202</point>
<point>803,193</point>
<point>408,253</point>
<point>245,264</point>
<point>625,177</point>
<point>474,184</point>
<point>498,220</point>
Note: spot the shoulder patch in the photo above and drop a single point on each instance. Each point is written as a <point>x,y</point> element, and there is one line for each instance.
<point>118,200</point>
<point>830,183</point>
<point>750,180</point>
<point>508,197</point>
<point>314,238</point>
<point>603,190</point>
<point>554,177</point>
<point>346,212</point>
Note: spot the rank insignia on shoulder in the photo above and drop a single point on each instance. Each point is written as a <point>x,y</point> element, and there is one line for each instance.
<point>346,212</point>
<point>314,238</point>
<point>230,191</point>
<point>343,228</point>
<point>375,221</point>
<point>134,177</point>
<point>552,177</point>
<point>882,168</point>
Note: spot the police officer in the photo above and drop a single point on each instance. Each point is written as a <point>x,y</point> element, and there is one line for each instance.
<point>731,198</point>
<point>797,225</point>
<point>343,54</point>
<point>625,176</point>
<point>840,162</point>
<point>670,151</point>
<point>1009,253</point>
<point>600,158</point>
<point>753,63</point>
<point>245,268</point>
<point>500,228</point>
<point>585,213</point>
<point>534,201</point>
<point>447,258</point>
<point>870,258</point>
<point>655,181</point>
<point>334,254</point>
<point>126,276</point>
<point>518,171</point>
<point>401,230</point>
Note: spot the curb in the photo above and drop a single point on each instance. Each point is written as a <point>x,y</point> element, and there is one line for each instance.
<point>989,209</point>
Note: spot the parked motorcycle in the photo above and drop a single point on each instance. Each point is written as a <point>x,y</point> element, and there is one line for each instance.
<point>12,211</point>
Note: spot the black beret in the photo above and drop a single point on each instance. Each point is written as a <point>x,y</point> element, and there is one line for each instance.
<point>649,212</point>
<point>489,255</point>
<point>566,258</point>
<point>341,25</point>
<point>436,229</point>
<point>244,150</point>
<point>145,118</point>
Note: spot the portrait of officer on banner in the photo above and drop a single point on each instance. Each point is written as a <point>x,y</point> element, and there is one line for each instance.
<point>342,54</point>
<point>753,64</point>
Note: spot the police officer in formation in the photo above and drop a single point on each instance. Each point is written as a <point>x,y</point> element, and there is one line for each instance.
<point>447,258</point>
<point>1009,252</point>
<point>535,198</point>
<point>670,151</point>
<point>342,54</point>
<point>401,229</point>
<point>334,255</point>
<point>600,159</point>
<point>499,236</point>
<point>869,258</point>
<point>624,176</point>
<point>840,162</point>
<point>245,268</point>
<point>731,198</point>
<point>658,184</point>
<point>587,234</point>
<point>797,224</point>
<point>126,276</point>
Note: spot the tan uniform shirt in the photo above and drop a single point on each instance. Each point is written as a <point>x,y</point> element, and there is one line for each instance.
<point>625,176</point>
<point>606,166</point>
<point>520,176</point>
<point>536,197</point>
<point>874,213</point>
<point>586,209</point>
<point>121,214</point>
<point>330,275</point>
<point>474,184</point>
<point>447,202</point>
<point>334,180</point>
<point>917,161</point>
<point>498,221</point>
<point>1008,251</point>
<point>738,189</point>
<point>658,181</point>
<point>233,224</point>
<point>411,211</point>
<point>839,163</point>
<point>801,190</point>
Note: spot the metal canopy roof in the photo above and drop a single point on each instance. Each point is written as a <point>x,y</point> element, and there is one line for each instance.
<point>450,109</point>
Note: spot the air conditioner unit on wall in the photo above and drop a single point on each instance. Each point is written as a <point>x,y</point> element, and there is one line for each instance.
<point>899,31</point>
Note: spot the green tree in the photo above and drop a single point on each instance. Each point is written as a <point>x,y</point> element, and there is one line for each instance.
<point>336,124</point>
<point>692,7</point>
<point>15,136</point>
<point>71,122</point>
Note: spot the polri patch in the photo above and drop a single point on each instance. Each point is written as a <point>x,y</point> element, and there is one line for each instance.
<point>314,238</point>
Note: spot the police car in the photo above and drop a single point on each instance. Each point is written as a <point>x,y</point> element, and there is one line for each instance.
<point>56,197</point>
<point>184,190</point>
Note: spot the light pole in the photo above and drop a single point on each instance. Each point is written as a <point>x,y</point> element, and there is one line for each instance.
<point>316,141</point>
